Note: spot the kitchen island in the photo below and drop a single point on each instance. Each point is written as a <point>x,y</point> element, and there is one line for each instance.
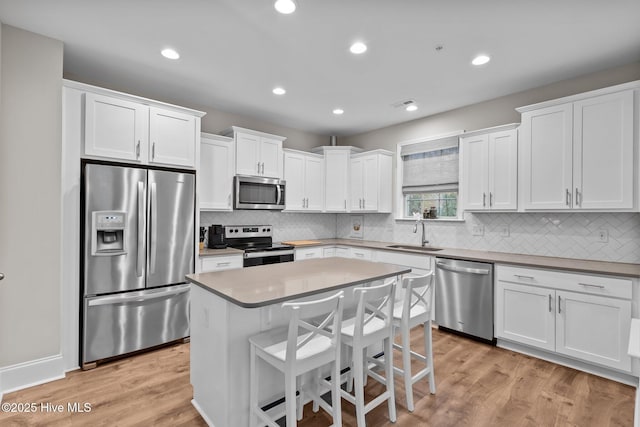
<point>227,307</point>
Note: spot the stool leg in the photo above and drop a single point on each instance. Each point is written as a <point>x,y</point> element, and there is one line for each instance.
<point>349,353</point>
<point>406,366</point>
<point>358,377</point>
<point>317,380</point>
<point>388,366</point>
<point>336,405</point>
<point>365,367</point>
<point>299,400</point>
<point>290,399</point>
<point>428,352</point>
<point>253,388</point>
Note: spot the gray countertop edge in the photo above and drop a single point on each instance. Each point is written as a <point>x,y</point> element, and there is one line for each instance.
<point>539,261</point>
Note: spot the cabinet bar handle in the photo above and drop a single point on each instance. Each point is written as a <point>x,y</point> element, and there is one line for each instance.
<point>568,198</point>
<point>490,199</point>
<point>153,150</point>
<point>262,168</point>
<point>223,264</point>
<point>550,303</point>
<point>591,286</point>
<point>258,168</point>
<point>578,201</point>
<point>138,150</point>
<point>559,307</point>
<point>519,276</point>
<point>229,200</point>
<point>484,199</point>
<point>345,204</point>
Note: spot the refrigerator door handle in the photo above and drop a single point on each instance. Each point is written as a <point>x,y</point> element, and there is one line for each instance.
<point>138,297</point>
<point>141,231</point>
<point>154,228</point>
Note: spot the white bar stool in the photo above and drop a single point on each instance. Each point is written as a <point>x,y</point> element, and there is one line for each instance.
<point>295,353</point>
<point>412,310</point>
<point>372,324</point>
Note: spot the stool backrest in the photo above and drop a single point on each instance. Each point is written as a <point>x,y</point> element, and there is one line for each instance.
<point>374,302</point>
<point>323,312</point>
<point>418,292</point>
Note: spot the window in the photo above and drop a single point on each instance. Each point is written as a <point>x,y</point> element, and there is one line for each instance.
<point>430,177</point>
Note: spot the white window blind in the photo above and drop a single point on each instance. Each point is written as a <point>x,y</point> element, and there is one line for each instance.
<point>430,166</point>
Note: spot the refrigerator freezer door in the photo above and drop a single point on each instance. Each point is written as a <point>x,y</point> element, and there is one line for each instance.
<point>122,323</point>
<point>171,244</point>
<point>115,188</point>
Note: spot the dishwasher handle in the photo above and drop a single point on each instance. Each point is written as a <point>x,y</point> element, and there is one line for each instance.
<point>456,269</point>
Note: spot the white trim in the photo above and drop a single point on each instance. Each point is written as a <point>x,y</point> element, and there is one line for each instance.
<point>202,413</point>
<point>32,373</point>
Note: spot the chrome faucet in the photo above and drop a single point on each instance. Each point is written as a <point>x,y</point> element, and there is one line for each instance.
<point>424,241</point>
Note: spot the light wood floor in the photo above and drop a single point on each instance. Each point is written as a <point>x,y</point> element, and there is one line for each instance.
<point>477,385</point>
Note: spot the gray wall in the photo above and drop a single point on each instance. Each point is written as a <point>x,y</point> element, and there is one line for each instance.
<point>30,157</point>
<point>490,113</point>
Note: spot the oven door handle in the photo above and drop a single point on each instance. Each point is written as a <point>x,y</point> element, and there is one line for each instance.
<point>266,254</point>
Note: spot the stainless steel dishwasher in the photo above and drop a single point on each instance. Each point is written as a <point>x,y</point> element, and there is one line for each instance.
<point>464,297</point>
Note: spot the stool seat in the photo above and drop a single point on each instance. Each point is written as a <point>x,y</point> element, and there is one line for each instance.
<point>274,343</point>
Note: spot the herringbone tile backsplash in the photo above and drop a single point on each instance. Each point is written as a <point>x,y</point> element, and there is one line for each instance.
<point>569,235</point>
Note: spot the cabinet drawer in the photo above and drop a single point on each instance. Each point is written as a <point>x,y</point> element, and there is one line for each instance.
<point>308,253</point>
<point>410,260</point>
<point>577,282</point>
<point>218,263</point>
<point>359,253</point>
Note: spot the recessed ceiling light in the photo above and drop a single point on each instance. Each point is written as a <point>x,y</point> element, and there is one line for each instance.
<point>338,111</point>
<point>358,48</point>
<point>279,91</point>
<point>411,107</point>
<point>480,60</point>
<point>285,6</point>
<point>170,53</point>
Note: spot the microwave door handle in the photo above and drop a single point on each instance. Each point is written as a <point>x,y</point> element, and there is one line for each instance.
<point>141,230</point>
<point>154,228</point>
<point>279,191</point>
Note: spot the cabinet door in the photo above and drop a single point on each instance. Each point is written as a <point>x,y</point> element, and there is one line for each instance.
<point>475,164</point>
<point>216,174</point>
<point>271,158</point>
<point>172,137</point>
<point>328,252</point>
<point>593,328</point>
<point>314,183</point>
<point>370,179</point>
<point>336,177</point>
<point>503,170</point>
<point>294,177</point>
<point>357,172</point>
<point>247,154</point>
<point>115,128</point>
<point>547,158</point>
<point>525,314</point>
<point>603,152</point>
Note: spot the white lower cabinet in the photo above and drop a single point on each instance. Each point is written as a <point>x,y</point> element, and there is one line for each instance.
<point>219,263</point>
<point>335,251</point>
<point>585,317</point>
<point>362,253</point>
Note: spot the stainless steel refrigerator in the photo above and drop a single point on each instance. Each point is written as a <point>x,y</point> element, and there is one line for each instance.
<point>137,245</point>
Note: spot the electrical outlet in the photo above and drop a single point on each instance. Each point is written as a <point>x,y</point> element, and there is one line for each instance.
<point>477,230</point>
<point>504,230</point>
<point>603,236</point>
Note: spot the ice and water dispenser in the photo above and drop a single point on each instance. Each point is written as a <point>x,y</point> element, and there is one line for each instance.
<point>108,233</point>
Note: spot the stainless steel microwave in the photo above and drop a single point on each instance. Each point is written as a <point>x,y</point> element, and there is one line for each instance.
<point>254,192</point>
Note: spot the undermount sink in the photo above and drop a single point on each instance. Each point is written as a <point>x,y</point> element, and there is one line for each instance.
<point>415,248</point>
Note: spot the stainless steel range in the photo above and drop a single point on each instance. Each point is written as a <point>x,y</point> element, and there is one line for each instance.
<point>257,243</point>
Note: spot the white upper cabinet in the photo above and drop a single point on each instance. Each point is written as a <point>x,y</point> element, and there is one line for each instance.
<point>337,160</point>
<point>490,169</point>
<point>115,128</point>
<point>303,174</point>
<point>125,127</point>
<point>257,153</point>
<point>172,136</point>
<point>217,168</point>
<point>578,152</point>
<point>371,181</point>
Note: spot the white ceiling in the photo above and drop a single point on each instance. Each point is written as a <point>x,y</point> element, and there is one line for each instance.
<point>233,52</point>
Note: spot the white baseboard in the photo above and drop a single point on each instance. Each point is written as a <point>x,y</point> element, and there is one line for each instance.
<point>32,373</point>
<point>202,414</point>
